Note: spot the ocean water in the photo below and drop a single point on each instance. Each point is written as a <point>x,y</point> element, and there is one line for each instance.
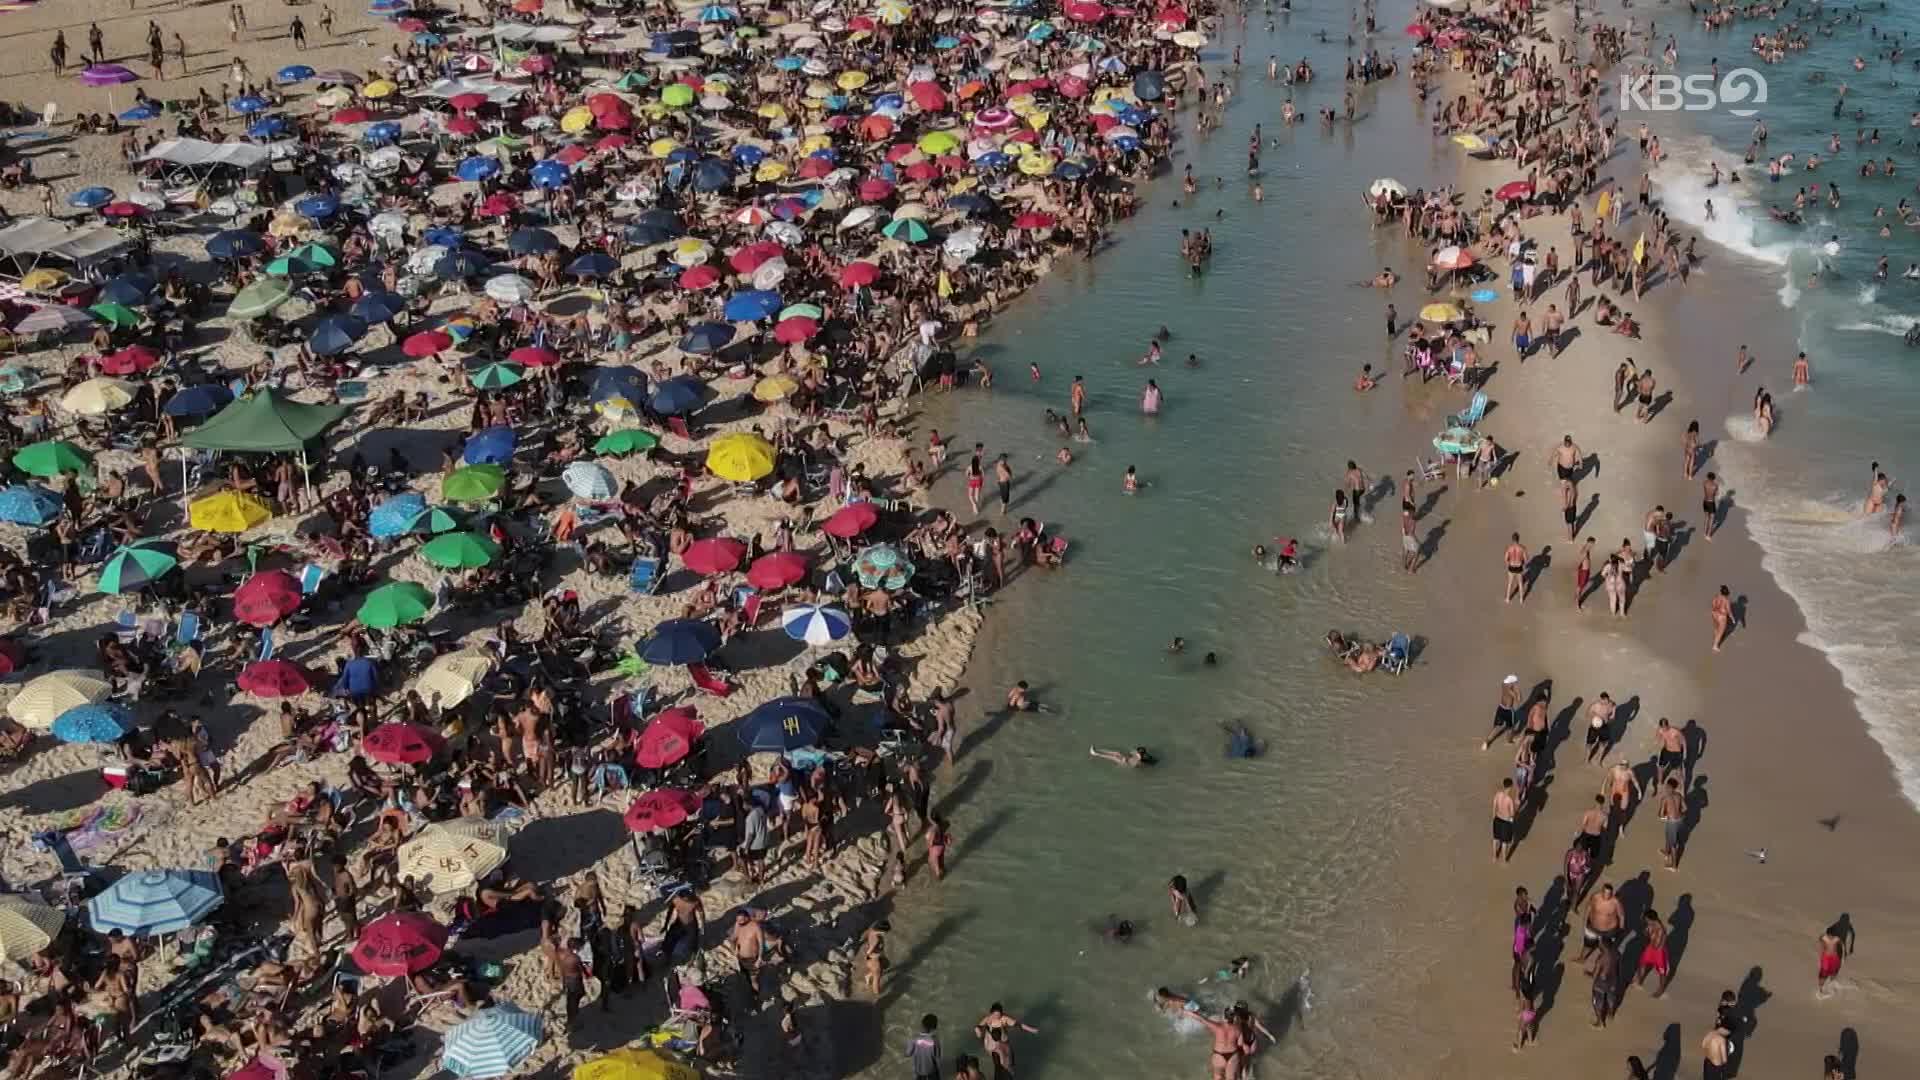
<point>1857,584</point>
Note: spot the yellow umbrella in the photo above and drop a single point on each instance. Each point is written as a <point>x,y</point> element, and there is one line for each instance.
<point>1038,119</point>
<point>229,512</point>
<point>378,89</point>
<point>1021,104</point>
<point>772,110</point>
<point>449,856</point>
<point>46,697</point>
<point>1640,249</point>
<point>852,80</point>
<point>938,142</point>
<point>1469,141</point>
<point>577,119</point>
<point>814,142</point>
<point>819,89</point>
<point>627,1064</point>
<point>740,457</point>
<point>287,226</point>
<point>1036,165</point>
<point>45,279</point>
<point>775,387</point>
<point>454,677</point>
<point>97,396</point>
<point>1441,313</point>
<point>770,170</point>
<point>27,925</point>
<point>692,251</point>
<point>660,148</point>
<point>893,12</point>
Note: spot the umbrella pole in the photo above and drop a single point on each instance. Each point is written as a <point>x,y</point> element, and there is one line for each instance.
<point>306,476</point>
<point>185,509</point>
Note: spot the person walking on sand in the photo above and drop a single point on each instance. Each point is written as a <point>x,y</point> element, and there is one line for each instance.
<point>1623,791</point>
<point>1690,449</point>
<point>1671,758</point>
<point>1710,504</point>
<point>1582,574</point>
<point>1717,1050</point>
<point>1505,717</point>
<point>1003,479</point>
<point>1516,564</point>
<point>96,43</point>
<point>1673,817</point>
<point>297,30</point>
<point>1722,610</point>
<point>1409,542</point>
<point>1653,953</point>
<point>58,52</point>
<point>1643,389</point>
<point>1506,805</point>
<point>1831,949</point>
<point>1605,970</point>
<point>976,481</point>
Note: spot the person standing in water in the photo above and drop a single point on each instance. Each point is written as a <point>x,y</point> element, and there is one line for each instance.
<point>995,1032</point>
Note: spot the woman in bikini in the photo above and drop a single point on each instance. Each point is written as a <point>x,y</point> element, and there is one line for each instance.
<point>996,1034</point>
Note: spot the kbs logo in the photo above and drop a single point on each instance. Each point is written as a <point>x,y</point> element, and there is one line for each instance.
<point>1740,91</point>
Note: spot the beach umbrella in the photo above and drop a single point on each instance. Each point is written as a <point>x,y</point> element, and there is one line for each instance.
<point>96,722</point>
<point>235,244</point>
<point>533,356</point>
<point>661,809</point>
<point>336,334</point>
<point>907,230</point>
<point>266,598</point>
<point>52,319</point>
<point>741,457</point>
<point>141,113</point>
<point>680,641</point>
<point>457,550</point>
<point>137,565</point>
<point>699,277</point>
<point>275,679</point>
<point>27,925</point>
<point>200,399</point>
<point>126,208</point>
<point>454,677</point>
<point>678,395</point>
<point>669,737</point>
<point>29,505</point>
<point>229,512</point>
<point>349,117</point>
<point>42,700</point>
<point>51,458</point>
<point>532,241</point>
<point>851,520</point>
<point>294,73</point>
<point>496,375</point>
<point>464,263</point>
<point>318,207</point>
<point>476,169</point>
<point>776,387</point>
<point>590,481</point>
<point>45,279</point>
<point>510,289</point>
<point>259,298</point>
<point>403,744</point>
<point>1514,189</point>
<point>816,624</point>
<point>399,943</point>
<point>248,105</point>
<point>593,264</point>
<point>549,174</point>
<point>451,856</point>
<point>379,306</point>
<point>132,360</point>
<point>90,198</point>
<point>1453,258</point>
<point>777,570</point>
<point>395,603</point>
<point>882,566</point>
<point>631,1064</point>
<point>857,274</point>
<point>97,397</point>
<point>106,75</point>
<point>433,521</point>
<point>395,516</point>
<point>783,724</point>
<point>706,337</point>
<point>148,903</point>
<point>625,441</point>
<point>490,1044</point>
<point>1441,313</point>
<point>427,343</point>
<point>617,382</point>
<point>752,305</point>
<point>490,446</point>
<point>473,483</point>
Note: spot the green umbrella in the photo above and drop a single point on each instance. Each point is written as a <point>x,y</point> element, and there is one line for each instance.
<point>626,441</point>
<point>434,520</point>
<point>290,266</point>
<point>497,376</point>
<point>473,483</point>
<point>394,603</point>
<point>632,80</point>
<point>52,458</point>
<point>317,254</point>
<point>13,380</point>
<point>908,229</point>
<point>677,96</point>
<point>136,566</point>
<point>119,315</point>
<point>459,549</point>
<point>259,298</point>
<point>802,311</point>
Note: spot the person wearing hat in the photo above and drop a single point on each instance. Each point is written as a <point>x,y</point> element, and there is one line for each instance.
<point>1503,711</point>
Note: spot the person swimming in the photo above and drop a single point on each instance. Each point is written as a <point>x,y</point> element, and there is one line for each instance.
<point>1240,741</point>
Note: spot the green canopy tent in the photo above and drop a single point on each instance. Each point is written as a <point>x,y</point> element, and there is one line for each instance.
<point>263,423</point>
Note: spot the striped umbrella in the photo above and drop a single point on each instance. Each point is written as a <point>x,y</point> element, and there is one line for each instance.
<point>490,1044</point>
<point>815,624</point>
<point>27,925</point>
<point>590,481</point>
<point>152,902</point>
<point>102,722</point>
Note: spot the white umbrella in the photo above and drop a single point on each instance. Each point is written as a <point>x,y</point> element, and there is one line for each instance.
<point>510,289</point>
<point>589,480</point>
<point>423,260</point>
<point>963,244</point>
<point>348,173</point>
<point>815,624</point>
<point>860,215</point>
<point>769,274</point>
<point>392,224</point>
<point>1386,186</point>
<point>917,210</point>
<point>787,233</point>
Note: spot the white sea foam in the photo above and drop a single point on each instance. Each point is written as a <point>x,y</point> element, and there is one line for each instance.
<point>1897,325</point>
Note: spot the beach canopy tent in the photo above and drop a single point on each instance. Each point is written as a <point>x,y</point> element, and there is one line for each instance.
<point>542,35</point>
<point>32,240</point>
<point>496,92</point>
<point>199,153</point>
<point>266,422</point>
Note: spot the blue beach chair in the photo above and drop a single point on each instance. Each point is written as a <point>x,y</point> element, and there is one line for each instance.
<point>1476,410</point>
<point>1398,650</point>
<point>644,578</point>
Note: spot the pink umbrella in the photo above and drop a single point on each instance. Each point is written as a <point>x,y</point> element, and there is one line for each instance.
<point>467,102</point>
<point>994,119</point>
<point>874,190</point>
<point>799,328</point>
<point>1086,11</point>
<point>107,75</point>
<point>928,95</point>
<point>700,277</point>
<point>463,125</point>
<point>533,356</point>
<point>122,210</point>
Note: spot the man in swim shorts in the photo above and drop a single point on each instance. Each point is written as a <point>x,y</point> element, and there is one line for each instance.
<point>1653,954</point>
<point>1504,718</point>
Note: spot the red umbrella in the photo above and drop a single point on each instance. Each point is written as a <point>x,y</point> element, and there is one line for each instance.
<point>1457,258</point>
<point>399,943</point>
<point>266,598</point>
<point>778,570</point>
<point>526,7</point>
<point>714,555</point>
<point>12,656</point>
<point>669,738</point>
<point>661,809</point>
<point>699,277</point>
<point>122,209</point>
<point>856,274</point>
<point>463,125</point>
<point>604,103</point>
<point>427,343</point>
<point>1033,219</point>
<point>851,520</point>
<point>1515,189</point>
<point>898,151</point>
<point>411,26</point>
<point>862,22</point>
<point>922,171</point>
<point>1419,31</point>
<point>352,116</point>
<point>613,121</point>
<point>1171,16</point>
<point>467,102</point>
<point>875,128</point>
<point>499,204</point>
<point>572,155</point>
<point>928,95</point>
<point>814,168</point>
<point>537,65</point>
<point>274,678</point>
<point>533,356</point>
<point>402,744</point>
<point>874,190</point>
<point>797,329</point>
<point>612,141</point>
<point>748,259</point>
<point>129,361</point>
<point>1086,11</point>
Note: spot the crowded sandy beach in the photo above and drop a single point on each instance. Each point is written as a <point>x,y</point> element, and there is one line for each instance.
<point>504,576</point>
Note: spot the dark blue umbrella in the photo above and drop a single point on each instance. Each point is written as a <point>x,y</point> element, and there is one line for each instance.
<point>464,263</point>
<point>661,219</point>
<point>713,174</point>
<point>235,244</point>
<point>617,382</point>
<point>751,305</point>
<point>318,207</point>
<point>970,204</point>
<point>678,395</point>
<point>378,306</point>
<point>247,106</point>
<point>748,154</point>
<point>490,446</point>
<point>91,198</point>
<point>644,234</point>
<point>550,174</point>
<point>593,264</point>
<point>384,132</point>
<point>532,241</point>
<point>1149,86</point>
<point>203,399</point>
<point>783,724</point>
<point>708,337</point>
<point>129,289</point>
<point>336,334</point>
<point>680,641</point>
<point>445,235</point>
<point>475,169</point>
<point>268,127</point>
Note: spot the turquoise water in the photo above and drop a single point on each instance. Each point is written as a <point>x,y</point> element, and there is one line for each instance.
<point>1805,487</point>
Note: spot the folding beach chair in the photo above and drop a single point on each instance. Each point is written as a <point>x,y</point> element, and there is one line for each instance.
<point>1475,411</point>
<point>1394,660</point>
<point>189,630</point>
<point>266,644</point>
<point>311,575</point>
<point>708,682</point>
<point>644,578</point>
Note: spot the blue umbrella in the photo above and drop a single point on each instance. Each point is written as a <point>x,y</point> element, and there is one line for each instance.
<point>682,156</point>
<point>246,106</point>
<point>492,1043</point>
<point>445,235</point>
<point>946,41</point>
<point>816,624</point>
<point>378,306</point>
<point>336,334</point>
<point>268,127</point>
<point>643,234</point>
<point>29,504</point>
<point>102,723</point>
<point>425,38</point>
<point>678,395</point>
<point>709,337</point>
<point>660,218</point>
<point>992,160</point>
<point>617,382</point>
<point>718,13</point>
<point>1149,86</point>
<point>203,399</point>
<point>464,263</point>
<point>712,174</point>
<point>532,241</point>
<point>388,7</point>
<point>384,132</point>
<point>129,289</point>
<point>294,73</point>
<point>680,641</point>
<point>395,516</point>
<point>90,198</point>
<point>1040,31</point>
<point>970,203</point>
<point>152,902</point>
<point>475,169</point>
<point>751,305</point>
<point>593,264</point>
<point>318,207</point>
<point>1069,170</point>
<point>550,174</point>
<point>143,111</point>
<point>790,63</point>
<point>235,244</point>
<point>783,724</point>
<point>748,154</point>
<point>490,446</point>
